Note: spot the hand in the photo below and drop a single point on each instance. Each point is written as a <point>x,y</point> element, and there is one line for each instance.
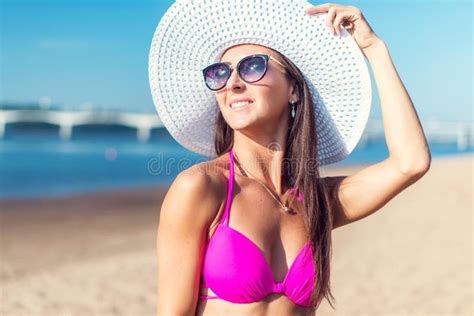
<point>350,18</point>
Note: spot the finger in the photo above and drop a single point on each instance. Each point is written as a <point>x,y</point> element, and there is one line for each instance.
<point>348,27</point>
<point>347,24</point>
<point>330,18</point>
<point>337,22</point>
<point>321,8</point>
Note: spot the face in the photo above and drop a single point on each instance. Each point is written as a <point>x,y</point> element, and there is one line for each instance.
<point>270,95</point>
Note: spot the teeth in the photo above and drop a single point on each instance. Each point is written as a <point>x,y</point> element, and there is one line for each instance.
<point>239,104</point>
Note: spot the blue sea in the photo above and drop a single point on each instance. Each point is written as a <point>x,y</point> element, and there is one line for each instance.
<point>40,164</point>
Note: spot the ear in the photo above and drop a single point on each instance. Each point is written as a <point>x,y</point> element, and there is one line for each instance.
<point>293,92</point>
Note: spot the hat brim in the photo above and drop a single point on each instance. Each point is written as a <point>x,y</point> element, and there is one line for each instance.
<point>194,34</point>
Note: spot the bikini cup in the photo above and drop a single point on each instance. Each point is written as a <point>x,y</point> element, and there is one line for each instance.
<point>235,269</point>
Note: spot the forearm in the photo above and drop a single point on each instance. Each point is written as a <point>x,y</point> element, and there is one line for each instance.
<point>404,135</point>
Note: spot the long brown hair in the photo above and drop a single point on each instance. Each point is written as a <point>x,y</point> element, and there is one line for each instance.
<point>300,169</point>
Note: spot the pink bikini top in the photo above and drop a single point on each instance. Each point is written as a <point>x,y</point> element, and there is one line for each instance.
<point>234,268</point>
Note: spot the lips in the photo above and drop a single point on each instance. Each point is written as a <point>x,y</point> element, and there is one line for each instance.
<point>236,100</point>
<point>237,106</point>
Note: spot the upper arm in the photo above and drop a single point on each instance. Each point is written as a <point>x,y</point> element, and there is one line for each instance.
<point>366,191</point>
<point>188,208</point>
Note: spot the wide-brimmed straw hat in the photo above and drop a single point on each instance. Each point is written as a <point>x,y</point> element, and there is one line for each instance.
<point>193,34</point>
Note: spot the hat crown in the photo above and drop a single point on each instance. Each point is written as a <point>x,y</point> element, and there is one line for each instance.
<point>194,34</point>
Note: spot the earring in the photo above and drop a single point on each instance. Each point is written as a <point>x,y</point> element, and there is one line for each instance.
<point>293,109</point>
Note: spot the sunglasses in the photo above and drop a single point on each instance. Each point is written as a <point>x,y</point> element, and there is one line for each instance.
<point>250,69</point>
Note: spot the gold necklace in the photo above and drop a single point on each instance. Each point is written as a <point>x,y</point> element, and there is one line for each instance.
<point>284,207</point>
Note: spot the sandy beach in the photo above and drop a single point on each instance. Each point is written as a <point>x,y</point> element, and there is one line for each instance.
<point>94,254</point>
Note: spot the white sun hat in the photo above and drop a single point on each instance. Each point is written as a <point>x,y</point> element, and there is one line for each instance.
<point>193,34</point>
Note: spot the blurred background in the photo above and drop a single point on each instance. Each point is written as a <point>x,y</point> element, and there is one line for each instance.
<point>85,162</point>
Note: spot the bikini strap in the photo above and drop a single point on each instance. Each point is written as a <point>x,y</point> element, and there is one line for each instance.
<point>292,191</point>
<point>225,217</point>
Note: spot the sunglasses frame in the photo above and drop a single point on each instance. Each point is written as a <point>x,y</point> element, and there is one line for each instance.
<point>231,69</point>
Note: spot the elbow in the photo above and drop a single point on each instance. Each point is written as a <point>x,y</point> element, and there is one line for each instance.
<point>418,163</point>
<point>416,169</point>
<point>422,169</point>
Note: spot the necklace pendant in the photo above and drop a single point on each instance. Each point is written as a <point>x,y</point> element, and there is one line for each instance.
<point>286,209</point>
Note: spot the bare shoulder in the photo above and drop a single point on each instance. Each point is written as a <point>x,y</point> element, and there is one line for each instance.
<point>187,211</point>
<point>197,192</point>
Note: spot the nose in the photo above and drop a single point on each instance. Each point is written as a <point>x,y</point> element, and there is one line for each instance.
<point>235,82</point>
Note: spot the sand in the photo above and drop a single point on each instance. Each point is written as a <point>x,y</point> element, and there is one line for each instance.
<point>94,254</point>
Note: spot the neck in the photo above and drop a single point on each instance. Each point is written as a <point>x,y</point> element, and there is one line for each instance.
<point>262,157</point>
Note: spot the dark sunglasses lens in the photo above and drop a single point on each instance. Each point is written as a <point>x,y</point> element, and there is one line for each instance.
<point>252,69</point>
<point>216,76</point>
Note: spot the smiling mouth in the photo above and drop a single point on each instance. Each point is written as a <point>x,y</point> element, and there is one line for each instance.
<point>240,105</point>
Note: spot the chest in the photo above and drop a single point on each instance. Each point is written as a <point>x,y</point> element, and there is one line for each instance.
<point>279,236</point>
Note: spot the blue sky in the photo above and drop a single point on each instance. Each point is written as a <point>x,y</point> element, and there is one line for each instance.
<point>96,52</point>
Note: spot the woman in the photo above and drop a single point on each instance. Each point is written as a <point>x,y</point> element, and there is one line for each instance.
<point>249,232</point>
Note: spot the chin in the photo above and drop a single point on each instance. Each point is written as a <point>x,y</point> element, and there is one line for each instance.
<point>242,124</point>
<point>239,127</point>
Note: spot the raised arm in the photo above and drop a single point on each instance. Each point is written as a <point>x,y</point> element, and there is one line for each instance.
<point>188,209</point>
<point>366,191</point>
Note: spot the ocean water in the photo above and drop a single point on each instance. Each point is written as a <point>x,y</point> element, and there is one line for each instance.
<point>42,165</point>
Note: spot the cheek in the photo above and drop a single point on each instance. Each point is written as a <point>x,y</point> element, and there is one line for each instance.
<point>274,98</point>
<point>277,86</point>
<point>220,102</point>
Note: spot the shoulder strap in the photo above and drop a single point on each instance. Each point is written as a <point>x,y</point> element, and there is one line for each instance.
<point>292,191</point>
<point>225,217</point>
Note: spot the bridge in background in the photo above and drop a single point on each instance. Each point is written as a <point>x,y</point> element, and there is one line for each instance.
<point>67,120</point>
<point>460,133</point>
